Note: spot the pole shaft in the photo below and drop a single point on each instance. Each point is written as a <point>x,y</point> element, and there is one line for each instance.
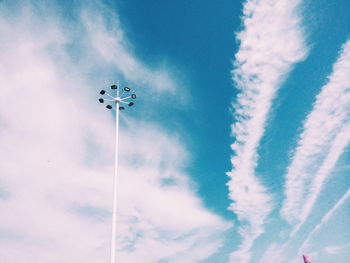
<point>115,180</point>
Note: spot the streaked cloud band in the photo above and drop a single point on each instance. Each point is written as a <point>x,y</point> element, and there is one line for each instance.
<point>325,135</point>
<point>271,42</point>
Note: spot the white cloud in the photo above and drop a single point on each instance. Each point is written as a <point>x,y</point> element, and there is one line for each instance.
<point>324,138</point>
<point>325,219</point>
<point>270,44</point>
<point>171,221</point>
<point>334,250</point>
<point>113,48</point>
<point>274,253</point>
<point>170,212</point>
<point>337,148</point>
<point>57,152</point>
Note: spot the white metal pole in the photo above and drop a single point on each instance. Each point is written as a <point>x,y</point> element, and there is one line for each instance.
<point>114,213</point>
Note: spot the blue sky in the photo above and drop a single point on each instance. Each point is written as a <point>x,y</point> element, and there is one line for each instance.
<point>237,149</point>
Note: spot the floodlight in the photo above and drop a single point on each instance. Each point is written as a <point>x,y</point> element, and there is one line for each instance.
<point>117,98</point>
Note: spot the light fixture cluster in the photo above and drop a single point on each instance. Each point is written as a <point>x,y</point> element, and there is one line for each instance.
<point>123,98</point>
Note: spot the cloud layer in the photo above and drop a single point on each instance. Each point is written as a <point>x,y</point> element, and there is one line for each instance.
<point>325,135</point>
<point>57,149</point>
<point>325,219</point>
<point>271,42</point>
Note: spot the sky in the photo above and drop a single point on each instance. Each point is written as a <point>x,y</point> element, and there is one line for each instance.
<point>236,150</point>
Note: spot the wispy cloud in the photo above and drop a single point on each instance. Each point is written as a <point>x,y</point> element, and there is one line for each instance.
<point>336,249</point>
<point>112,47</point>
<point>57,150</point>
<point>325,136</point>
<point>271,43</point>
<point>325,219</point>
<point>275,252</point>
<point>171,222</point>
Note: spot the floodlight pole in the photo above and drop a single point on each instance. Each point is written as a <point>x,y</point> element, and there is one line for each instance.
<point>115,179</point>
<point>117,101</point>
